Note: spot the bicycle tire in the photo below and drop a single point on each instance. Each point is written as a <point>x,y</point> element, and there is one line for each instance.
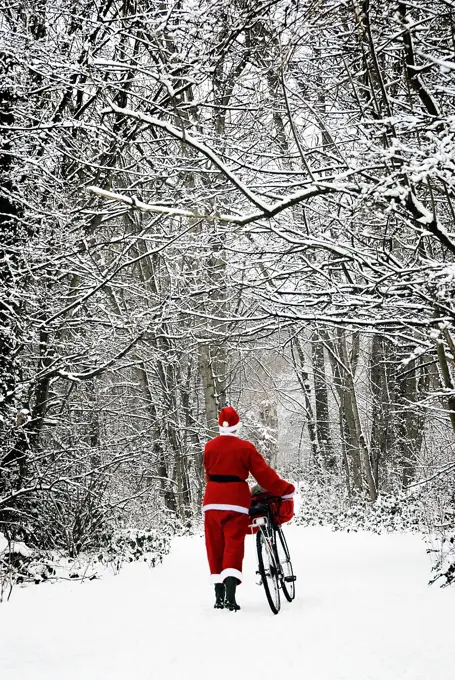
<point>284,557</point>
<point>268,570</point>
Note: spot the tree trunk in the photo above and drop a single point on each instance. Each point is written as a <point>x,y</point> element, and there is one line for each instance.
<point>382,417</point>
<point>304,382</point>
<point>352,413</point>
<point>11,245</point>
<point>269,425</point>
<point>322,403</point>
<point>447,381</point>
<point>159,454</point>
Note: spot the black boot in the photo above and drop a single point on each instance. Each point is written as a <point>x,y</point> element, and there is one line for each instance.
<point>231,584</point>
<point>219,595</point>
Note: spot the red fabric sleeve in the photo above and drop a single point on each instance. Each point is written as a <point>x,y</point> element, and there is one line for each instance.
<point>205,465</point>
<point>267,477</point>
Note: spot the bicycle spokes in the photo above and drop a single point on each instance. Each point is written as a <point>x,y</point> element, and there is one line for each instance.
<point>268,571</point>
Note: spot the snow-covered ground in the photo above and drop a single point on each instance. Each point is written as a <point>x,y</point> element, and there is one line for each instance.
<point>363,611</point>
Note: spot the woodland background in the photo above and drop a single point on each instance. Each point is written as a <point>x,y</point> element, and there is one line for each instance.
<point>225,201</point>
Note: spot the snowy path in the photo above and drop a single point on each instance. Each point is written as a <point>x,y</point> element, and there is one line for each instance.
<point>363,612</point>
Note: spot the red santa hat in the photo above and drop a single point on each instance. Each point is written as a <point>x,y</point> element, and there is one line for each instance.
<point>228,420</point>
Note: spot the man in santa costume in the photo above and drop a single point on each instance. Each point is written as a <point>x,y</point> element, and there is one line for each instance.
<point>228,461</point>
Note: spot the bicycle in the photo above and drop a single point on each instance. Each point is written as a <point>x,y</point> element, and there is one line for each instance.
<point>274,560</point>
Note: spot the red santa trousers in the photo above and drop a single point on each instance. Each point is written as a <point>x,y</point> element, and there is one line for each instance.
<point>225,532</point>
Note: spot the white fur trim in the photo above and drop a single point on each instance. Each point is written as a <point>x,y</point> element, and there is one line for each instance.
<point>230,429</point>
<point>232,572</point>
<point>216,578</point>
<point>225,506</point>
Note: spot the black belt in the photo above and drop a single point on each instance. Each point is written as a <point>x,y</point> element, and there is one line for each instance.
<point>225,478</point>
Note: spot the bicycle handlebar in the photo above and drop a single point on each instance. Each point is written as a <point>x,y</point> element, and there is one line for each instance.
<point>267,499</point>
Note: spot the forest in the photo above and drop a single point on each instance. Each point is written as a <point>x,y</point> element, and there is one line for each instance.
<point>211,202</point>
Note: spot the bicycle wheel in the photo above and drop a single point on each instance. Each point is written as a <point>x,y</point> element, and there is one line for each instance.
<point>268,570</point>
<point>284,557</point>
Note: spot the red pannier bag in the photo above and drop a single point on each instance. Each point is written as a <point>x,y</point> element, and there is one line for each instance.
<point>283,511</point>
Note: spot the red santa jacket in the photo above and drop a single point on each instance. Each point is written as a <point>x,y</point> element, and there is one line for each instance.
<point>228,455</point>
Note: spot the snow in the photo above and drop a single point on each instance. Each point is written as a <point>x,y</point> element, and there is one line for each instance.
<point>15,548</point>
<point>427,217</point>
<point>363,612</point>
